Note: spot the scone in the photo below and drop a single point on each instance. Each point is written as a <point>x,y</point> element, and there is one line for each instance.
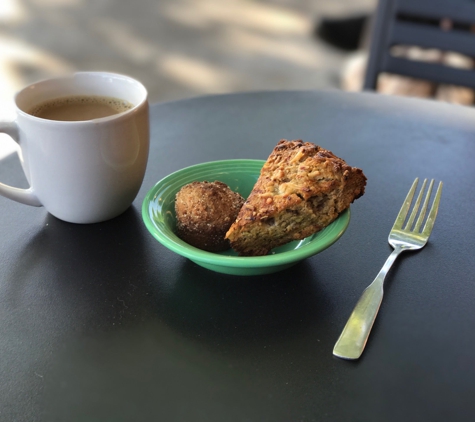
<point>301,189</point>
<point>204,212</point>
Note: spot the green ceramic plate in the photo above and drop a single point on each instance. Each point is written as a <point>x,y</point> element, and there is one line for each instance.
<point>158,213</point>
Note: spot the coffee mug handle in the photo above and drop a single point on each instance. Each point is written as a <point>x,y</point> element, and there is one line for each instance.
<point>24,196</point>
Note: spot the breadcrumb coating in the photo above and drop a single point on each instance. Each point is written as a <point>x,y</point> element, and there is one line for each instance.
<point>204,213</point>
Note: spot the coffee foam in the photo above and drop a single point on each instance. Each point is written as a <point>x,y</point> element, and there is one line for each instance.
<point>118,105</point>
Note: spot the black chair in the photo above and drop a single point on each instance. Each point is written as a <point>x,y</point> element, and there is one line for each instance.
<point>446,25</point>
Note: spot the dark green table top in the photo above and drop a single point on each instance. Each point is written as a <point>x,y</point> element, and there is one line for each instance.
<point>102,323</point>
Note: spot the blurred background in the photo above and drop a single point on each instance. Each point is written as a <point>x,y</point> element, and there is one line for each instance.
<point>177,48</point>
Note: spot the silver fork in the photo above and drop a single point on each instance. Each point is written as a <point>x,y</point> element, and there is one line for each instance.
<point>408,237</point>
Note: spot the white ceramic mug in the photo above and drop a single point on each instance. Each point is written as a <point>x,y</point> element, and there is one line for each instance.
<point>81,171</point>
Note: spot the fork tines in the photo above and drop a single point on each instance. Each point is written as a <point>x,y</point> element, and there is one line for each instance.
<point>401,218</point>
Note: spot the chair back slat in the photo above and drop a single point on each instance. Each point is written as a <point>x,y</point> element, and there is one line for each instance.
<point>434,72</point>
<point>458,10</point>
<point>408,33</point>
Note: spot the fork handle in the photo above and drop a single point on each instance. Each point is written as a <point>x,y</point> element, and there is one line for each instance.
<point>352,341</point>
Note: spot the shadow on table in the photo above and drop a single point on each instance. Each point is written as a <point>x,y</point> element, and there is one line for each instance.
<point>65,284</point>
<point>90,275</point>
<point>240,311</point>
<point>101,277</point>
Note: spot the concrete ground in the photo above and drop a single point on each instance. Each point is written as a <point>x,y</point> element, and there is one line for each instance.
<point>177,48</point>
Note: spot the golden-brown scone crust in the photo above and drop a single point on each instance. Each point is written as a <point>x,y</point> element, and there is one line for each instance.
<point>204,212</point>
<point>301,189</point>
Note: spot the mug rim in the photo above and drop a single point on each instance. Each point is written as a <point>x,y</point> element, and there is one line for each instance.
<point>143,101</point>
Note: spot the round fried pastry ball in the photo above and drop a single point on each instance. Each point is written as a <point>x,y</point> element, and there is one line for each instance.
<point>204,213</point>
